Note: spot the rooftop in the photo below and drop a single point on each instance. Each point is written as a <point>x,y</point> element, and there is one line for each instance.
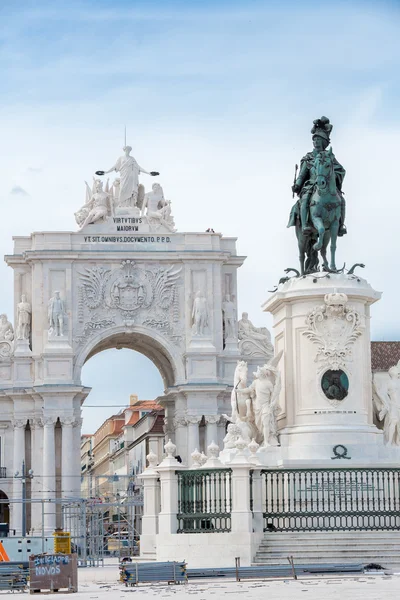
<point>384,355</point>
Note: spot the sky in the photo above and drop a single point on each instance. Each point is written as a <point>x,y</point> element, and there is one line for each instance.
<point>219,97</point>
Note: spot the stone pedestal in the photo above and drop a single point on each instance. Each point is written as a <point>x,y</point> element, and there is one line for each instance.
<point>148,544</point>
<point>322,324</point>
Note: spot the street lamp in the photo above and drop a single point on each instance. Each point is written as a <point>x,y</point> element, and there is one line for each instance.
<point>23,477</point>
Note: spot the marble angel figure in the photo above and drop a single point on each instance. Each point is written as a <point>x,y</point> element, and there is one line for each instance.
<point>98,205</point>
<point>264,393</point>
<point>387,403</point>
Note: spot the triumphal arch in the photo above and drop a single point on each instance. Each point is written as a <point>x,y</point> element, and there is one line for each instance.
<point>125,279</point>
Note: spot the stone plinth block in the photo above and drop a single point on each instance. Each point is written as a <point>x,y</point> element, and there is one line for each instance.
<point>322,324</point>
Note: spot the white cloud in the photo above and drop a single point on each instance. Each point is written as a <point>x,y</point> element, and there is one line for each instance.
<point>17,190</point>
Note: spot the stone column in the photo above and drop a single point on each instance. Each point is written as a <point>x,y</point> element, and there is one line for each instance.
<point>49,473</point>
<point>76,479</point>
<point>180,427</point>
<point>37,467</point>
<point>18,457</point>
<point>221,426</point>
<point>67,462</point>
<point>169,431</point>
<point>193,433</point>
<point>212,429</point>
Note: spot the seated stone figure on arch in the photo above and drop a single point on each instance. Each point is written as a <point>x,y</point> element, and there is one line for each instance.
<point>98,207</point>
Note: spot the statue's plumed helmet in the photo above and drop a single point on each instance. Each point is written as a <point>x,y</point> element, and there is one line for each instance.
<point>322,127</point>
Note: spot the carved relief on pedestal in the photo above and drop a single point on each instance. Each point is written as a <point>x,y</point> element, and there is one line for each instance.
<point>131,295</point>
<point>333,327</point>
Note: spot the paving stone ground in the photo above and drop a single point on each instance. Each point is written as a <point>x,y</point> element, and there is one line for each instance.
<point>323,588</point>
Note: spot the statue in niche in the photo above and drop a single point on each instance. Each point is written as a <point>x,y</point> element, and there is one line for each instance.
<point>254,341</point>
<point>387,403</point>
<point>158,210</point>
<point>98,205</point>
<point>228,310</point>
<point>128,170</point>
<point>24,312</point>
<point>6,337</point>
<point>200,314</point>
<point>55,313</point>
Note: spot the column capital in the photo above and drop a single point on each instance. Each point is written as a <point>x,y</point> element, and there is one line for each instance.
<point>35,423</point>
<point>49,421</point>
<point>78,422</point>
<point>193,419</point>
<point>19,423</point>
<point>213,419</point>
<point>68,421</point>
<point>180,421</point>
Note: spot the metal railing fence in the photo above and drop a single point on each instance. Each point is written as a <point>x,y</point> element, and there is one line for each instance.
<point>331,499</point>
<point>204,501</point>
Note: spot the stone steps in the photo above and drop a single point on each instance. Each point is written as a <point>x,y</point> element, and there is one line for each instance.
<point>381,547</point>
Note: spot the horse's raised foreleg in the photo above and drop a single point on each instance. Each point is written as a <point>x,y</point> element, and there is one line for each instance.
<point>334,234</point>
<point>319,226</point>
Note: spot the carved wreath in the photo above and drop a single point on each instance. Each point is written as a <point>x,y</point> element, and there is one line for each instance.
<point>334,328</point>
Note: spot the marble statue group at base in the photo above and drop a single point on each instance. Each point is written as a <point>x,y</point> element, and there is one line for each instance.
<point>255,408</point>
<point>387,405</point>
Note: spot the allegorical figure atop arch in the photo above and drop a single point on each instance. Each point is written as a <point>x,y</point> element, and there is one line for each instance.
<point>128,169</point>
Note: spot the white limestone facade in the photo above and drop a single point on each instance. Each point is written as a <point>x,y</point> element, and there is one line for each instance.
<point>78,293</point>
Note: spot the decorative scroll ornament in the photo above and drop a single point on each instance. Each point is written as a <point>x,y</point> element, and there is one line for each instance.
<point>333,327</point>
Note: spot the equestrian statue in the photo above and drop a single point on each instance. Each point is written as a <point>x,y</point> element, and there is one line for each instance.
<point>319,213</point>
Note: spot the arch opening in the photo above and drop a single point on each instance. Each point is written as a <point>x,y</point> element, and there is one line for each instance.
<point>166,358</point>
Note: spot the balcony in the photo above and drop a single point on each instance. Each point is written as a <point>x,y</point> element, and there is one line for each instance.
<point>3,472</point>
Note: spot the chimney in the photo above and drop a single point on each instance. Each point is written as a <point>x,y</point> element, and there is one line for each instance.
<point>133,399</point>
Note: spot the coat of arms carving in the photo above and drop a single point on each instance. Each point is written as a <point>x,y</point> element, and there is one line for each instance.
<point>131,294</point>
<point>333,327</point>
